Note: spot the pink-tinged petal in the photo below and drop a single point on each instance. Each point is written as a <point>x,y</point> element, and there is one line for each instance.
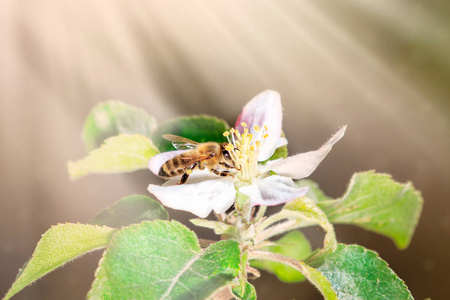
<point>158,160</point>
<point>272,190</point>
<point>303,164</point>
<point>199,198</point>
<point>263,109</point>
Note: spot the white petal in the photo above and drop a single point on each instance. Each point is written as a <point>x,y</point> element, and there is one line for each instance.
<point>198,198</point>
<point>272,190</point>
<point>194,177</point>
<point>158,160</point>
<point>264,109</point>
<point>303,164</point>
<point>281,141</point>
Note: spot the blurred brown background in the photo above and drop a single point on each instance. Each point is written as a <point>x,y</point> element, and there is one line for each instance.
<point>382,67</point>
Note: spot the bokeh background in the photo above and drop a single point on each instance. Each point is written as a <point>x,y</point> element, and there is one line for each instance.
<point>381,67</point>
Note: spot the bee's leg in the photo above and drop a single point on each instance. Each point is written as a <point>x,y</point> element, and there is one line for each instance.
<point>187,173</point>
<point>184,178</point>
<point>228,166</point>
<point>223,173</point>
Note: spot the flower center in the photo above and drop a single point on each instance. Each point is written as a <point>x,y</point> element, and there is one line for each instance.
<point>244,149</point>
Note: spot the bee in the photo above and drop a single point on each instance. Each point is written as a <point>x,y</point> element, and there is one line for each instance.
<point>209,155</point>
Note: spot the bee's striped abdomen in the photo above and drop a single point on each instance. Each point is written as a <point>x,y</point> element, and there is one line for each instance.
<point>174,166</point>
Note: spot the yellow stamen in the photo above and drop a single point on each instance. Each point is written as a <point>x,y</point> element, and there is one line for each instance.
<point>237,134</point>
<point>244,148</point>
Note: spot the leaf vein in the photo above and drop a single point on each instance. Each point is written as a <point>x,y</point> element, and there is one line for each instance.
<point>182,271</point>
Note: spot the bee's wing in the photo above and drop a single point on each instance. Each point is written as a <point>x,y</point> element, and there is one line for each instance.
<point>179,142</point>
<point>189,160</point>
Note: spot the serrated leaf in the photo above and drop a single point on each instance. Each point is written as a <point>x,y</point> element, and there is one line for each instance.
<point>245,292</point>
<point>111,118</point>
<point>358,273</point>
<point>313,275</point>
<point>314,192</point>
<point>122,153</point>
<point>197,128</point>
<point>294,245</point>
<point>377,203</point>
<point>320,282</point>
<point>131,210</point>
<point>59,245</point>
<point>163,260</point>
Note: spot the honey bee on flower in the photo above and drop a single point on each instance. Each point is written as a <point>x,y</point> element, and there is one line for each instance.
<point>253,140</point>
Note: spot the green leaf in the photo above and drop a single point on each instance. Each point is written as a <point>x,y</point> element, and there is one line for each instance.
<point>314,192</point>
<point>313,275</point>
<point>122,153</point>
<point>321,283</point>
<point>163,260</point>
<point>110,118</point>
<point>294,245</point>
<point>59,245</point>
<point>358,273</point>
<point>377,203</point>
<point>247,292</point>
<point>131,210</point>
<point>197,128</point>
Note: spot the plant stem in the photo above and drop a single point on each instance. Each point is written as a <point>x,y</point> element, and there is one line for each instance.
<point>261,211</point>
<point>243,210</point>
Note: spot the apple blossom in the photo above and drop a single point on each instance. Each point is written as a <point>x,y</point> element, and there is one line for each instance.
<point>266,182</point>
